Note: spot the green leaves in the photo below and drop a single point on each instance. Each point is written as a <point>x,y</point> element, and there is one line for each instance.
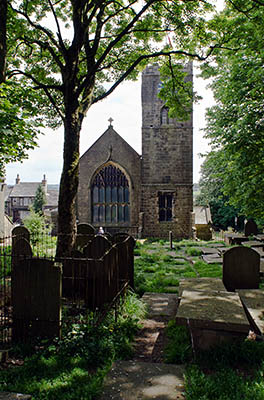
<point>235,126</point>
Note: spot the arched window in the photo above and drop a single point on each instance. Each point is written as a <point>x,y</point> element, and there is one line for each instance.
<point>110,196</point>
<point>164,117</point>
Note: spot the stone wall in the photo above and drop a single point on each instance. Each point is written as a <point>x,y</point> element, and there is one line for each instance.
<point>167,162</point>
<point>110,148</point>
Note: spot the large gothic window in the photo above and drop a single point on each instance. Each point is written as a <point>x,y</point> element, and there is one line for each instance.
<point>110,196</point>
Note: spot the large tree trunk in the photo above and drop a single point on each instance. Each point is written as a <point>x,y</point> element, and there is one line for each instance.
<point>3,18</point>
<point>69,184</point>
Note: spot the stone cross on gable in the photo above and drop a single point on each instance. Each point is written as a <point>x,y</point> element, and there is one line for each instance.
<point>110,120</point>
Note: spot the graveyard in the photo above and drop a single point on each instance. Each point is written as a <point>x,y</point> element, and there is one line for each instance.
<point>209,292</point>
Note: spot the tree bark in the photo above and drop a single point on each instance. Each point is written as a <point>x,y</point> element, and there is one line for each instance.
<point>3,19</point>
<point>69,184</point>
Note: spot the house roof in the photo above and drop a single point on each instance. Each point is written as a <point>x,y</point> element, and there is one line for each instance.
<point>25,189</point>
<point>28,189</point>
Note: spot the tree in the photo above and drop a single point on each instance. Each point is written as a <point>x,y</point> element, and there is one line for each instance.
<point>236,125</point>
<point>20,116</point>
<point>40,200</point>
<point>90,43</point>
<point>211,193</point>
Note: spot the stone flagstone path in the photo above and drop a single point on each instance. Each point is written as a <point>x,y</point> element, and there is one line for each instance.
<point>143,380</point>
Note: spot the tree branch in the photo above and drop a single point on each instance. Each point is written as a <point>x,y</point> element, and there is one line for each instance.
<point>40,85</point>
<point>149,56</point>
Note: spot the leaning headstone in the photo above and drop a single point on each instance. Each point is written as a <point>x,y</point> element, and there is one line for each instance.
<point>251,228</point>
<point>97,247</point>
<point>20,232</point>
<point>241,268</point>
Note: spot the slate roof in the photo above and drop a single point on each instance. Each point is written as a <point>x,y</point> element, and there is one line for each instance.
<point>25,189</point>
<point>28,189</point>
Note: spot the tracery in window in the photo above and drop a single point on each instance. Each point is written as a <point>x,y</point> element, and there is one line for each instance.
<point>165,206</point>
<point>110,196</point>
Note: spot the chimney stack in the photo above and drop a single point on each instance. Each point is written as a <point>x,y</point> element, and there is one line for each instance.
<point>44,183</point>
<point>17,179</point>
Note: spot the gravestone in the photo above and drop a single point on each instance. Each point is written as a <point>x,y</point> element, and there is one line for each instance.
<point>36,299</point>
<point>21,249</point>
<point>85,233</point>
<point>97,247</point>
<point>86,229</point>
<point>120,237</point>
<point>251,228</point>
<point>20,232</point>
<point>241,268</point>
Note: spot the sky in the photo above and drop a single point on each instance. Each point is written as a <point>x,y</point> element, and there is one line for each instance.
<point>124,107</point>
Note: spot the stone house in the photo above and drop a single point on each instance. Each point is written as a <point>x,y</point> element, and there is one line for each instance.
<point>145,195</point>
<point>21,196</point>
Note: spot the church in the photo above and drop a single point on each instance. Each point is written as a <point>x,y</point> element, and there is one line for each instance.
<point>145,195</point>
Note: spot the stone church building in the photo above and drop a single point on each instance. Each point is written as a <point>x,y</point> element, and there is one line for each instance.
<point>144,195</point>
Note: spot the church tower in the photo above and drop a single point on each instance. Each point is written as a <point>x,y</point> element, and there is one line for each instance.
<point>167,164</point>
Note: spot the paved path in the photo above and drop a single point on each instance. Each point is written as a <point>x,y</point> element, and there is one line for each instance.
<point>137,380</point>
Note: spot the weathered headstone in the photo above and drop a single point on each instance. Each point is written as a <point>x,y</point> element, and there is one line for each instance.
<point>86,229</point>
<point>120,237</point>
<point>97,247</point>
<point>241,268</point>
<point>251,228</point>
<point>20,232</point>
<point>21,249</point>
<point>36,296</point>
<point>85,233</point>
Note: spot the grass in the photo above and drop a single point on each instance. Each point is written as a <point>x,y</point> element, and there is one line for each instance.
<point>74,368</point>
<point>229,372</point>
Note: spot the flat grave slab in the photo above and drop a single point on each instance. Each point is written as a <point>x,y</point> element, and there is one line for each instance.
<point>235,238</point>
<point>212,259</point>
<point>204,284</point>
<point>253,301</point>
<point>208,250</point>
<point>260,236</point>
<point>253,243</point>
<point>259,250</point>
<point>213,317</point>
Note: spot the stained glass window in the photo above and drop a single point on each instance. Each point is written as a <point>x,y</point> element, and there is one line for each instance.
<point>110,196</point>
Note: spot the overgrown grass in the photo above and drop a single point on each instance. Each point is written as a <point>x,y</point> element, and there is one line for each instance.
<point>229,372</point>
<point>74,368</point>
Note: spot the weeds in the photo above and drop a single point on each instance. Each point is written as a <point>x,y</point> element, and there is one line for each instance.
<point>74,368</point>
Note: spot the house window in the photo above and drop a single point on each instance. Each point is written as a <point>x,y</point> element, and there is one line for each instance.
<point>110,196</point>
<point>165,207</point>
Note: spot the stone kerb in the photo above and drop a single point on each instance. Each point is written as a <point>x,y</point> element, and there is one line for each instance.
<point>251,228</point>
<point>241,268</point>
